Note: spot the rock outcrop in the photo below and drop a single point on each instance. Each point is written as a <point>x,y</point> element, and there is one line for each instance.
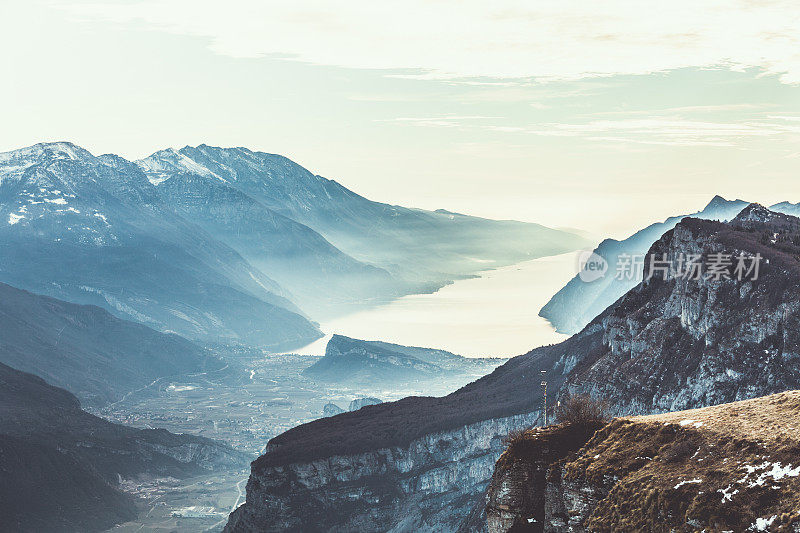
<point>675,342</point>
<point>578,302</point>
<point>431,484</point>
<point>732,467</point>
<point>331,409</point>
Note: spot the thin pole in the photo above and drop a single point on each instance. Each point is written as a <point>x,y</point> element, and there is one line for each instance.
<point>544,398</point>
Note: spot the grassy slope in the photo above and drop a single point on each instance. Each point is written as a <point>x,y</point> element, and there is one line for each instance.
<point>720,468</point>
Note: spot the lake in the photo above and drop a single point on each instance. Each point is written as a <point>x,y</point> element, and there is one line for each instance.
<point>494,315</point>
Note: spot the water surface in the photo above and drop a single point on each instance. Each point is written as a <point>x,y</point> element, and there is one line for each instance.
<point>493,315</point>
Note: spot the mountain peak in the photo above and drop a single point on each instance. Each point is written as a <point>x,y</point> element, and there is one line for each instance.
<point>756,212</point>
<point>721,202</point>
<point>51,150</point>
<point>722,209</point>
<point>161,165</point>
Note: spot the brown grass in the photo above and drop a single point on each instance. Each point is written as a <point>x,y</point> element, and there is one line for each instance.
<point>672,471</point>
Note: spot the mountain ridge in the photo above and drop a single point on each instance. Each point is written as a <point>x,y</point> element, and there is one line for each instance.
<point>86,349</point>
<point>402,240</point>
<point>93,230</point>
<point>62,466</point>
<point>578,302</point>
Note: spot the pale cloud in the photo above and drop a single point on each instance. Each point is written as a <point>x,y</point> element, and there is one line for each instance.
<point>650,131</point>
<point>467,39</point>
<point>447,121</point>
<point>670,132</point>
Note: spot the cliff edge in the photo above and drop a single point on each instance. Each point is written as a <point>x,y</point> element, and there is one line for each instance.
<point>730,467</point>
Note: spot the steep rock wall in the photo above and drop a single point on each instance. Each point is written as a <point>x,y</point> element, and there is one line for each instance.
<point>430,485</point>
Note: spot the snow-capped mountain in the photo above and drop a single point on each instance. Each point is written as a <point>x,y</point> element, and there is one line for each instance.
<point>322,279</point>
<point>93,230</point>
<point>421,247</point>
<point>226,243</point>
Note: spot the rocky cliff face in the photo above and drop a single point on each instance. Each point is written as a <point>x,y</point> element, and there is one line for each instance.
<point>675,342</point>
<point>429,485</point>
<point>577,303</point>
<point>670,343</point>
<point>731,467</point>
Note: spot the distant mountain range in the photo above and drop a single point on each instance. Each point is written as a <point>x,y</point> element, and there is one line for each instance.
<point>227,244</point>
<point>669,343</point>
<point>61,466</point>
<point>94,230</point>
<point>357,362</point>
<point>578,302</point>
<point>420,249</point>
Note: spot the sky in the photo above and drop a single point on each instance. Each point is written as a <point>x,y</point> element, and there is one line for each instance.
<point>603,116</point>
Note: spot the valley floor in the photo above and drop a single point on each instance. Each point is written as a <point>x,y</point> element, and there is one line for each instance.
<point>257,396</point>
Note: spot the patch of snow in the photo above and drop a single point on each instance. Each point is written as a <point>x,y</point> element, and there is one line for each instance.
<point>777,472</point>
<point>180,388</point>
<point>682,483</point>
<point>57,201</point>
<point>13,218</point>
<point>102,217</point>
<point>727,494</point>
<point>157,179</point>
<point>762,524</point>
<point>162,165</point>
<point>196,511</point>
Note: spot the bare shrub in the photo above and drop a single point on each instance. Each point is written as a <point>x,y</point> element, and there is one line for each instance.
<point>514,437</point>
<point>581,410</point>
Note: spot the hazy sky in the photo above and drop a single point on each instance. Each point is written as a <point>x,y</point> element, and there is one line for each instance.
<point>599,115</point>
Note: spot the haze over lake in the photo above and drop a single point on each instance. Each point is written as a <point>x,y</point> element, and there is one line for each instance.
<point>494,315</point>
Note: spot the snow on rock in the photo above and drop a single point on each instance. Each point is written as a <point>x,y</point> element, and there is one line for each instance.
<point>777,473</point>
<point>762,524</point>
<point>160,166</point>
<point>688,482</point>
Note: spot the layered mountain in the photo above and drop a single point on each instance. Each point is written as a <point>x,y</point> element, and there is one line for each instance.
<point>731,467</point>
<point>322,280</point>
<point>93,230</point>
<point>672,342</point>
<point>225,243</point>
<point>787,208</point>
<point>423,248</point>
<point>357,362</point>
<point>85,349</point>
<point>62,466</point>
<point>578,302</point>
